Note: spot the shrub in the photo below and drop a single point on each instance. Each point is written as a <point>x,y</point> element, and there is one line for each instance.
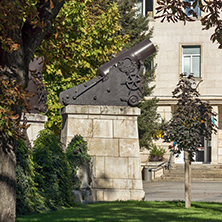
<point>52,170</point>
<point>77,155</point>
<point>29,200</point>
<point>155,151</point>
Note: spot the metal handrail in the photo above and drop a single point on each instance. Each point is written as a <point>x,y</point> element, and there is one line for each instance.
<point>161,166</point>
<point>170,161</point>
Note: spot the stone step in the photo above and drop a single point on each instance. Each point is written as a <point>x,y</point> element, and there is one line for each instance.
<point>181,179</point>
<point>206,175</point>
<point>198,166</point>
<point>197,170</point>
<point>199,173</point>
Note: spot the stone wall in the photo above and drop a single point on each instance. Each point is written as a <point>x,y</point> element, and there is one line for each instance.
<point>112,136</point>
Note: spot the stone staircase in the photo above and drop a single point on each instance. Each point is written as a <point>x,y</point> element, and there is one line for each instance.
<point>199,173</point>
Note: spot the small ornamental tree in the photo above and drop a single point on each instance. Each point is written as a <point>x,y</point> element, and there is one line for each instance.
<point>191,121</point>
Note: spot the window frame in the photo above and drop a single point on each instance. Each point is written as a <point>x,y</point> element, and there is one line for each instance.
<point>144,7</point>
<point>191,59</point>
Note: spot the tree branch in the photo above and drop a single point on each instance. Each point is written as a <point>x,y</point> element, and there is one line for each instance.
<point>33,36</point>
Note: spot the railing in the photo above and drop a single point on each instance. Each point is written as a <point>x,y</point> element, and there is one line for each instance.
<point>162,166</point>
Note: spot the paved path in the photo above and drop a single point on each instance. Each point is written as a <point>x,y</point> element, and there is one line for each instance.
<point>167,191</point>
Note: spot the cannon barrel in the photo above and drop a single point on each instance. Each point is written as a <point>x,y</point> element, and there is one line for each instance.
<point>136,53</point>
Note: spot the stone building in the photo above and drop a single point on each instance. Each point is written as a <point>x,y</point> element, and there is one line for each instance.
<point>187,48</point>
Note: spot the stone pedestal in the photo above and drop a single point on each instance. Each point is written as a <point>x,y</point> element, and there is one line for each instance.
<point>112,136</point>
<point>37,122</point>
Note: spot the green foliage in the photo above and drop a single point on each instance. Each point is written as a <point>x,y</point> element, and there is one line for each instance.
<point>12,15</point>
<point>148,123</point>
<point>23,25</point>
<point>192,119</point>
<point>11,94</point>
<point>77,155</point>
<point>84,36</point>
<point>76,152</point>
<point>46,175</point>
<point>29,200</point>
<point>157,151</point>
<point>52,170</point>
<point>136,26</point>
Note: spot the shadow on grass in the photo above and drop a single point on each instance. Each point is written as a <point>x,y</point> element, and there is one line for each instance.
<point>208,205</point>
<point>132,211</point>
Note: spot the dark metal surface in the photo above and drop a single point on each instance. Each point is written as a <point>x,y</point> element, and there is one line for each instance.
<point>119,82</point>
<point>137,53</point>
<point>36,87</point>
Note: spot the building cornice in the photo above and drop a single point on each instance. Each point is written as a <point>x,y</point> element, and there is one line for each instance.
<point>167,100</point>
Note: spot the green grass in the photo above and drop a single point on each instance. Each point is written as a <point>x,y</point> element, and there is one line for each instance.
<point>132,211</point>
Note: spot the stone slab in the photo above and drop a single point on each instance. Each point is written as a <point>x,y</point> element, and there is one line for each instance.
<point>100,110</point>
<point>134,171</point>
<point>116,167</point>
<point>103,147</point>
<point>129,148</point>
<point>116,194</point>
<point>84,127</point>
<point>102,128</point>
<point>125,129</point>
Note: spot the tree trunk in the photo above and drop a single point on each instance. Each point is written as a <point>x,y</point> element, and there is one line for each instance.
<point>187,171</point>
<point>7,185</point>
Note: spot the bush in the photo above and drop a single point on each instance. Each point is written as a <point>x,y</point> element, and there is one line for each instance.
<point>52,170</point>
<point>29,200</point>
<point>77,155</point>
<point>155,151</point>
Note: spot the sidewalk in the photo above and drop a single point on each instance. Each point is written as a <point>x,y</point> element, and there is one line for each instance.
<point>168,191</point>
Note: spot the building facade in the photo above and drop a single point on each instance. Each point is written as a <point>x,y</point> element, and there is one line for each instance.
<point>187,48</point>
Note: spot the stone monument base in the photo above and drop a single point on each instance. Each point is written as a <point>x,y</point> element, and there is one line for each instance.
<point>37,122</point>
<point>111,133</point>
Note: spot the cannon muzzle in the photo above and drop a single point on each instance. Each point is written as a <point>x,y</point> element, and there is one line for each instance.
<point>138,52</point>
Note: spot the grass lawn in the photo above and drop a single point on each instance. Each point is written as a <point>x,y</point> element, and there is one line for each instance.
<point>132,211</point>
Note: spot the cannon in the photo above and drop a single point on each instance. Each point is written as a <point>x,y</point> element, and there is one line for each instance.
<point>118,81</point>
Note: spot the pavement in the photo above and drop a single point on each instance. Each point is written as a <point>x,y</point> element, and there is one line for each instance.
<point>169,191</point>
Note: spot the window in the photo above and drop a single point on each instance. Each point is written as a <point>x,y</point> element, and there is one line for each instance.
<point>191,60</point>
<point>195,9</point>
<point>145,7</point>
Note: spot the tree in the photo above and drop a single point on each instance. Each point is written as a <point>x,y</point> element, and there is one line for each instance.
<point>136,26</point>
<point>176,10</point>
<point>24,24</point>
<point>84,36</point>
<point>191,121</point>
